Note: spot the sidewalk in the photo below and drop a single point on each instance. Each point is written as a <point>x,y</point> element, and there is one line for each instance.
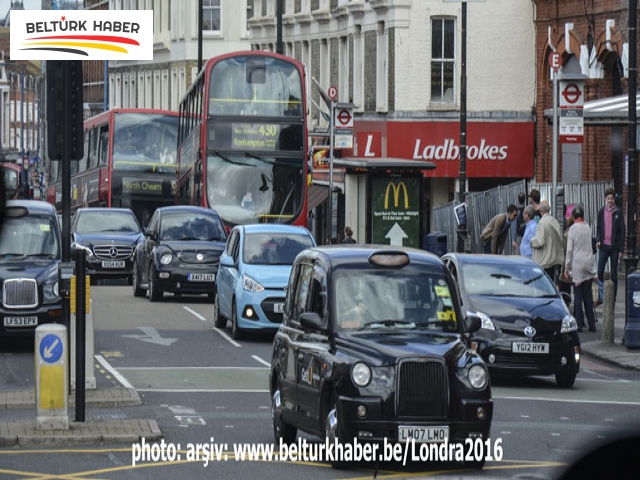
<point>615,353</point>
<point>97,429</point>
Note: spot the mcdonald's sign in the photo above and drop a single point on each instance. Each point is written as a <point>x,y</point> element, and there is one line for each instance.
<point>396,188</point>
<point>395,210</point>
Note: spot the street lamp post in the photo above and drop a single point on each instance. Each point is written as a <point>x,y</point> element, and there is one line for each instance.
<point>462,227</point>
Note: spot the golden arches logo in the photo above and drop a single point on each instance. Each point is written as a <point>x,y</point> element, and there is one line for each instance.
<point>396,195</point>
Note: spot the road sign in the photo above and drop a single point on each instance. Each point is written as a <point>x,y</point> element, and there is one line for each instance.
<point>51,348</point>
<point>555,61</point>
<point>343,118</point>
<point>332,92</point>
<point>571,94</point>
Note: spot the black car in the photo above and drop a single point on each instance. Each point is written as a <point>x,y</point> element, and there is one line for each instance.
<point>109,237</point>
<point>30,253</point>
<point>526,325</point>
<point>373,348</point>
<point>180,253</point>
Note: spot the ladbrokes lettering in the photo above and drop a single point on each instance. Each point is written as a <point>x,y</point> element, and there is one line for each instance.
<point>450,151</point>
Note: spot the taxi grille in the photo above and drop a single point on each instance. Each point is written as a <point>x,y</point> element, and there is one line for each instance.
<point>423,389</point>
<point>113,252</point>
<point>20,293</point>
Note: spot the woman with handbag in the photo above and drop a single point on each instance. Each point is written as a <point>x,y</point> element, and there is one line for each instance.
<point>579,265</point>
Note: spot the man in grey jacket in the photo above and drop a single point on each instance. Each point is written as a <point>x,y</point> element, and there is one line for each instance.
<point>548,243</point>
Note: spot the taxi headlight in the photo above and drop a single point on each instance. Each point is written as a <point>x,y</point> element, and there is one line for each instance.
<point>478,376</point>
<point>361,374</point>
<point>569,324</point>
<point>166,258</point>
<point>50,291</point>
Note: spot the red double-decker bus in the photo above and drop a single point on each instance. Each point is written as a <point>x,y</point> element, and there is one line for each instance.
<point>242,142</point>
<point>129,161</point>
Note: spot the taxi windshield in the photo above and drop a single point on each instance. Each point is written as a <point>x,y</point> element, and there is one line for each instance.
<point>392,299</point>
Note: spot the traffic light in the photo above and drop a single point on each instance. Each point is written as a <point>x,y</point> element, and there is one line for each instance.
<point>65,138</point>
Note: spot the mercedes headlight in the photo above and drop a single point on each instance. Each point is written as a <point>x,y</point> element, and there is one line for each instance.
<point>250,285</point>
<point>569,324</point>
<point>361,374</point>
<point>478,376</point>
<point>487,323</point>
<point>165,258</point>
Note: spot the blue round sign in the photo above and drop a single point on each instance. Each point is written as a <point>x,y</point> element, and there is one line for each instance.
<point>51,348</point>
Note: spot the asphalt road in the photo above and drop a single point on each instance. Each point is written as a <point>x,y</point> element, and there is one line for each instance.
<point>206,390</point>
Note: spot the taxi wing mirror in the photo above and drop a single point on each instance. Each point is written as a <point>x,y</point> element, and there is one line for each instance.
<point>312,321</point>
<point>151,233</point>
<point>472,323</point>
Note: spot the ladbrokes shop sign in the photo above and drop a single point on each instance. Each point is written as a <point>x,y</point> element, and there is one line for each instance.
<point>395,211</point>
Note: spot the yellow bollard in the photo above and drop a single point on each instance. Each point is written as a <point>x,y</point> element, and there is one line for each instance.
<point>52,377</point>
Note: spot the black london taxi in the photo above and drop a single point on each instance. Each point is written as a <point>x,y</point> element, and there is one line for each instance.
<point>373,348</point>
<point>30,252</point>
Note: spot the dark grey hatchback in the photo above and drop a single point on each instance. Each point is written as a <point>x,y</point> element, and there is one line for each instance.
<point>29,257</point>
<point>373,349</point>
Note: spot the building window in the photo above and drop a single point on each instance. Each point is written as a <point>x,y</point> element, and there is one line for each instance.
<point>211,15</point>
<point>442,59</point>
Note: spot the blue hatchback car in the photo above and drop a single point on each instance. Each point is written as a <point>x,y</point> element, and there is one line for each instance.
<point>254,270</point>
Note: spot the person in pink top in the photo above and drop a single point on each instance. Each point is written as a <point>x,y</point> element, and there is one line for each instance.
<point>610,237</point>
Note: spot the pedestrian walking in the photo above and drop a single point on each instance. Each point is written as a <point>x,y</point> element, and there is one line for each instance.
<point>610,232</point>
<point>579,265</point>
<point>348,235</point>
<point>529,231</point>
<point>534,199</point>
<point>517,229</point>
<point>547,244</point>
<point>494,235</point>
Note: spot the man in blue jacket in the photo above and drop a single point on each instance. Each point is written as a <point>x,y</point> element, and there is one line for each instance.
<point>610,237</point>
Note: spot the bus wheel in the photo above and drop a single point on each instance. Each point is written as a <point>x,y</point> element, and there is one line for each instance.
<point>155,295</point>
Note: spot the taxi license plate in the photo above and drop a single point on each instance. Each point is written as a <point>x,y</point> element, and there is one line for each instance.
<point>113,264</point>
<point>20,321</point>
<point>201,277</point>
<point>278,307</point>
<point>407,433</point>
<point>529,347</point>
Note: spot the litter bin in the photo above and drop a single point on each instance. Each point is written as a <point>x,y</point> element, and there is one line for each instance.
<point>435,242</point>
<point>632,328</point>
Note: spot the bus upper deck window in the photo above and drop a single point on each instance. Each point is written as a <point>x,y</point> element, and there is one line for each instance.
<point>256,70</point>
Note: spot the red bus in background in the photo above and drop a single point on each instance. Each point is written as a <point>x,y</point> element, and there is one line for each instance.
<point>14,186</point>
<point>242,142</point>
<point>129,161</point>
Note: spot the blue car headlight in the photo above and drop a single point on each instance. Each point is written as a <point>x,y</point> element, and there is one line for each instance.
<point>250,285</point>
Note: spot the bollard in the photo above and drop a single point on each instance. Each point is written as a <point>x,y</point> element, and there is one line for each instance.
<point>608,309</point>
<point>90,377</point>
<point>52,377</point>
<point>632,326</point>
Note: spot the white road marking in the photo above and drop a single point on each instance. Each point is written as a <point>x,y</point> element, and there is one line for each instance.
<point>259,360</point>
<point>565,400</point>
<point>195,314</point>
<point>123,381</point>
<point>227,337</point>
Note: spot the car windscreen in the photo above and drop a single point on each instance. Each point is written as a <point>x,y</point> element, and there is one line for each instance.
<point>392,298</point>
<point>191,226</point>
<point>29,236</point>
<point>107,222</point>
<point>506,279</point>
<point>273,248</point>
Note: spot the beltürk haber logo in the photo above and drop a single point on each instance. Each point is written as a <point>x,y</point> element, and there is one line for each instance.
<point>81,35</point>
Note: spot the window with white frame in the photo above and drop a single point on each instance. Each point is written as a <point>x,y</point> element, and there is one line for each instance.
<point>211,15</point>
<point>443,36</point>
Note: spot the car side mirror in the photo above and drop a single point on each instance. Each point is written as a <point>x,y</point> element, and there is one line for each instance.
<point>151,233</point>
<point>312,321</point>
<point>472,323</point>
<point>227,261</point>
<point>566,296</point>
